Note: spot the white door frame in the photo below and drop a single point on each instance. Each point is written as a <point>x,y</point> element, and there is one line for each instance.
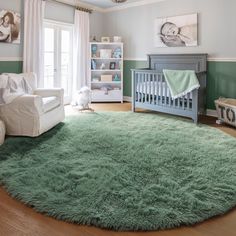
<point>58,27</point>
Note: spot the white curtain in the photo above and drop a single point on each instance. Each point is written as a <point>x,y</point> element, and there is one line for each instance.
<point>81,50</point>
<point>33,38</point>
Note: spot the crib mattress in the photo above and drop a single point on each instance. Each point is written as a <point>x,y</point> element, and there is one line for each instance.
<point>157,89</point>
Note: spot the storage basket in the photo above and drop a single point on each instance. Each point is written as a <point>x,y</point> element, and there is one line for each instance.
<point>106,78</point>
<point>226,110</point>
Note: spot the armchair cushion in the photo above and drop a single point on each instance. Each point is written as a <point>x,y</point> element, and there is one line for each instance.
<point>49,103</point>
<point>57,92</point>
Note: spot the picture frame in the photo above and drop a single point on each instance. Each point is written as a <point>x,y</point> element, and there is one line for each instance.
<point>112,65</point>
<point>10,27</point>
<point>117,53</point>
<point>177,31</point>
<point>105,39</point>
<point>117,39</point>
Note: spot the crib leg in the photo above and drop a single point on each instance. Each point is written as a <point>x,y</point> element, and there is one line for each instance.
<point>133,91</point>
<point>133,107</point>
<point>195,119</point>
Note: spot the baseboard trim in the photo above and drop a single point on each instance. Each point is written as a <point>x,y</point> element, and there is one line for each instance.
<point>209,112</point>
<point>127,99</point>
<point>212,113</point>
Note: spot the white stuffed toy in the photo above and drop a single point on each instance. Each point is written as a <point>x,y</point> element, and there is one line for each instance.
<point>83,98</point>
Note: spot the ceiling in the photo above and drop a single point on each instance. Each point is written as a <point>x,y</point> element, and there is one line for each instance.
<point>107,3</point>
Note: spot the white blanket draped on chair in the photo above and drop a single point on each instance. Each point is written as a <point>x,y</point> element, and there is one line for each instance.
<point>12,87</point>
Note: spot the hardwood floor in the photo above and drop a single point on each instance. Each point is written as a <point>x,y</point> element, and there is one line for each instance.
<point>16,219</point>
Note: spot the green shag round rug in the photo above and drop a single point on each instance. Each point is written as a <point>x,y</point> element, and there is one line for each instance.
<point>123,171</point>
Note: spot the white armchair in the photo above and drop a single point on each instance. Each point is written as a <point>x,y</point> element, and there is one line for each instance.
<point>33,114</point>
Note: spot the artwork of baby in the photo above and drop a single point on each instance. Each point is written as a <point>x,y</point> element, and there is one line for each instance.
<point>177,31</point>
<point>9,27</point>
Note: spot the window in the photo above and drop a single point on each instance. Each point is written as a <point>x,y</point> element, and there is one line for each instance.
<point>58,56</point>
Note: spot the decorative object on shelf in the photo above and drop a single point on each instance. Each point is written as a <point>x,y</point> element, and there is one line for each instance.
<point>94,39</point>
<point>112,65</point>
<point>105,39</point>
<point>106,78</point>
<point>10,26</point>
<point>103,66</point>
<point>95,79</point>
<point>117,39</point>
<point>116,78</point>
<point>93,65</point>
<point>177,31</point>
<point>105,53</point>
<point>94,50</point>
<point>117,53</point>
<point>106,88</point>
<point>83,98</point>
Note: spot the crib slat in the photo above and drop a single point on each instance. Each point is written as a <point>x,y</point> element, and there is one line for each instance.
<point>158,88</point>
<point>139,85</point>
<point>161,87</point>
<point>165,93</point>
<point>147,82</point>
<point>141,78</point>
<point>188,98</point>
<point>145,86</point>
<point>183,102</point>
<point>150,95</point>
<point>153,88</point>
<point>178,102</point>
<point>168,96</point>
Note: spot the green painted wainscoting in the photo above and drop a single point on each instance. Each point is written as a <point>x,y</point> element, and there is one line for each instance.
<point>11,66</point>
<point>128,65</point>
<point>221,79</point>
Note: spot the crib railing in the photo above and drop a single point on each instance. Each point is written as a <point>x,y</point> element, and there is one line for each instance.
<point>150,88</point>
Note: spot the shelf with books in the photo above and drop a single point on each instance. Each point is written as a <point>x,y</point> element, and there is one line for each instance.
<point>106,72</point>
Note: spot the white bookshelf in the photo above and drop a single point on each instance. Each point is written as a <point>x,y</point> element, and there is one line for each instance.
<point>106,91</point>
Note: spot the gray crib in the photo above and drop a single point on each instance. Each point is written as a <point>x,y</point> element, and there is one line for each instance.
<point>150,90</point>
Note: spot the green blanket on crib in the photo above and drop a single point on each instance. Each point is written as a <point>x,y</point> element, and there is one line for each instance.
<point>181,82</point>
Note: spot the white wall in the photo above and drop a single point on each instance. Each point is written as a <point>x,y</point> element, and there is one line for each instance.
<point>53,11</point>
<point>59,12</point>
<point>217,30</point>
<point>97,24</point>
<point>64,13</point>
